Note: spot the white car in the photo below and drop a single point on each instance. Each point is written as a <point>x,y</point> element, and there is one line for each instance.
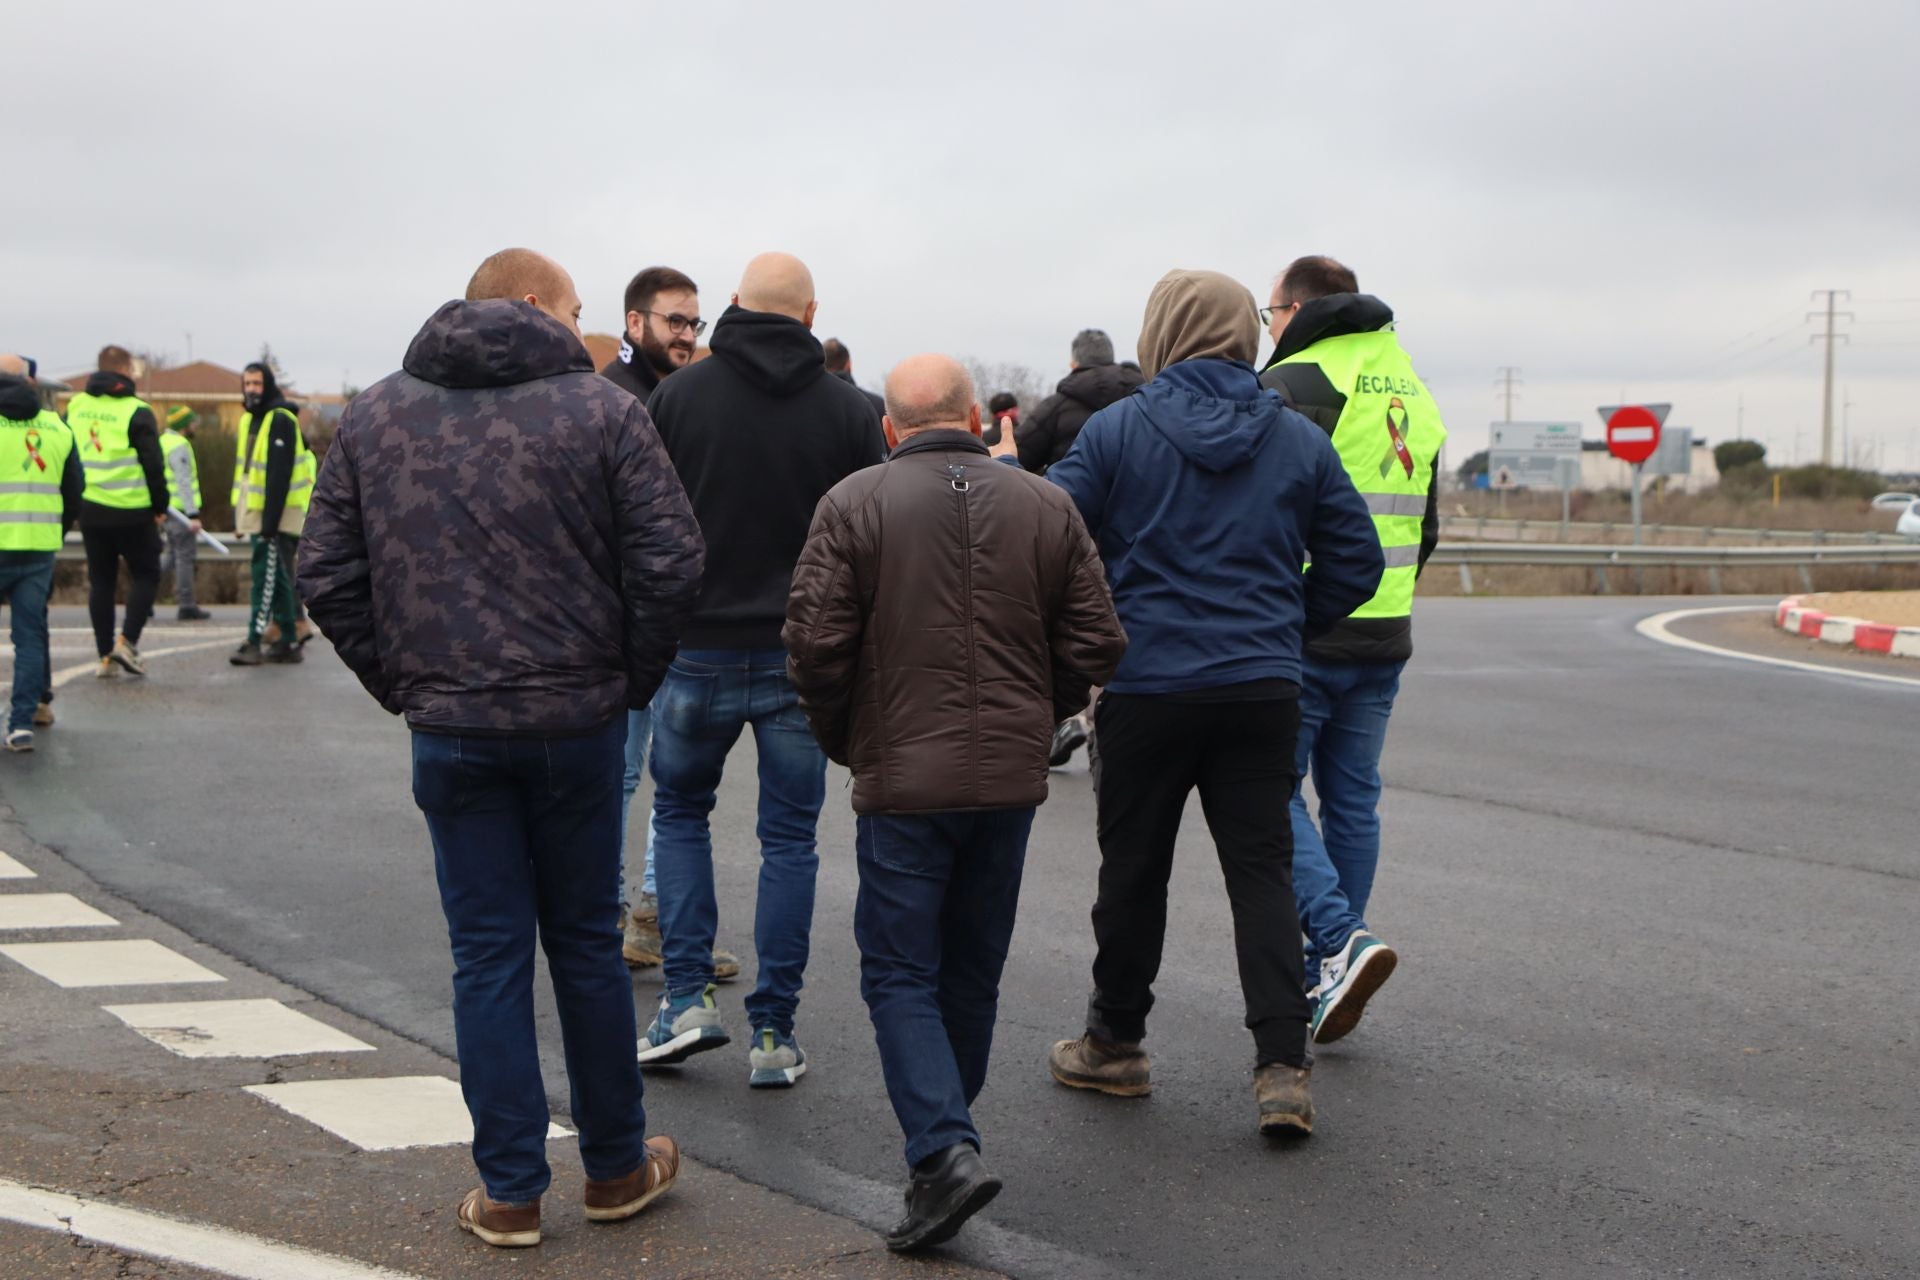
<point>1909,525</point>
<point>1895,501</point>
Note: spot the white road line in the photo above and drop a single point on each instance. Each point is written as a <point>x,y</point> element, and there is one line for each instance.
<point>235,1029</point>
<point>388,1114</point>
<point>135,962</point>
<point>70,674</point>
<point>50,911</point>
<point>12,870</point>
<point>192,1244</point>
<point>1658,628</point>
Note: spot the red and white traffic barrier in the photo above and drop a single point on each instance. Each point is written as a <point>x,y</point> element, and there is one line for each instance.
<point>1872,637</point>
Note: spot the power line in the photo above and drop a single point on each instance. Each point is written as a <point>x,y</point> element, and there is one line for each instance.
<point>1507,376</point>
<point>1826,392</point>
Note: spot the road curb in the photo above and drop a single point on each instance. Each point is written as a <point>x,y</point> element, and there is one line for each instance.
<point>1858,633</point>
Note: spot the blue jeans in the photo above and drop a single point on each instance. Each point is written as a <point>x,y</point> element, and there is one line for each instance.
<point>26,579</point>
<point>708,697</point>
<point>639,736</point>
<point>934,919</point>
<point>1343,728</point>
<point>525,834</point>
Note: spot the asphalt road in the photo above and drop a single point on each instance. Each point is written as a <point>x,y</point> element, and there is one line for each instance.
<point>1657,1011</point>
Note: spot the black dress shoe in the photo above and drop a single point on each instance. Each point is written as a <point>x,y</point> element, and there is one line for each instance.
<point>1068,737</point>
<point>948,1187</point>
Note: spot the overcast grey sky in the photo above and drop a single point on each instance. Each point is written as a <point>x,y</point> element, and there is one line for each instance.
<point>1628,199</point>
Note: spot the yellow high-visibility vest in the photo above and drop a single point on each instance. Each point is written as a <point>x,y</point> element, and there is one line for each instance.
<point>250,473</point>
<point>33,457</point>
<point>100,432</point>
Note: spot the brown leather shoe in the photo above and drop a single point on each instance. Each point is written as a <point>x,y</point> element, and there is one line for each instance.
<point>619,1198</point>
<point>504,1226</point>
<point>1285,1095</point>
<point>1102,1065</point>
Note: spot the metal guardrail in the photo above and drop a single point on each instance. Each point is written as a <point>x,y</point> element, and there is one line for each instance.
<point>1602,557</point>
<point>73,550</point>
<point>1485,526</point>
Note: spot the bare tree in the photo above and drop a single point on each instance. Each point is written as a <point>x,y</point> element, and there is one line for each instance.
<point>1028,384</point>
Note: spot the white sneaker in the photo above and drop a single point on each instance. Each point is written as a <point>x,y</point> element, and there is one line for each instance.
<point>1347,981</point>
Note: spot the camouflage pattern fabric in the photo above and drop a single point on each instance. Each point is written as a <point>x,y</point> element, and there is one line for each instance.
<point>498,543</point>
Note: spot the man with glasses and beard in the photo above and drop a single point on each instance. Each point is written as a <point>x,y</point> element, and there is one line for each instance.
<point>663,320</point>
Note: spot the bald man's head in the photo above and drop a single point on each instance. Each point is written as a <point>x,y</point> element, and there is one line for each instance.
<point>525,276</point>
<point>12,365</point>
<point>929,391</point>
<point>780,283</point>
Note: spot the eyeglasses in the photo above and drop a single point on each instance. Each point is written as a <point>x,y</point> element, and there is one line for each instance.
<point>1267,313</point>
<point>680,324</point>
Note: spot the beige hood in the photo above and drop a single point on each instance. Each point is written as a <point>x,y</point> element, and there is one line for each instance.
<point>1193,315</point>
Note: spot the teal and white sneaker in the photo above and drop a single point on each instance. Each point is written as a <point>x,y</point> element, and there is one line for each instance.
<point>1347,981</point>
<point>682,1028</point>
<point>776,1060</point>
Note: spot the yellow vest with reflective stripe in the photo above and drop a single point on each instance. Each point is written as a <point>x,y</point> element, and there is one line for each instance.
<point>250,476</point>
<point>1388,438</point>
<point>99,425</point>
<point>174,445</point>
<point>33,456</point>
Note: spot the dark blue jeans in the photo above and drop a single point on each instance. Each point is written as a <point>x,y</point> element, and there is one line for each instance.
<point>26,577</point>
<point>708,697</point>
<point>526,834</point>
<point>1343,729</point>
<point>934,919</point>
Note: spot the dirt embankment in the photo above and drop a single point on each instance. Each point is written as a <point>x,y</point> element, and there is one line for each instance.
<point>1893,608</point>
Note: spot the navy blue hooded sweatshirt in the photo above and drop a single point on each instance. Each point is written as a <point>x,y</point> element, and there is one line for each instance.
<point>1207,495</point>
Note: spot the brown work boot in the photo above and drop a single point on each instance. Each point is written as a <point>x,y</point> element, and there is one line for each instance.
<point>726,965</point>
<point>641,947</point>
<point>1103,1065</point>
<point>1285,1095</point>
<point>617,1199</point>
<point>504,1226</point>
<point>43,715</point>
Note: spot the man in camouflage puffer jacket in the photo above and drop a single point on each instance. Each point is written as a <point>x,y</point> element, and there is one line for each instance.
<point>500,549</point>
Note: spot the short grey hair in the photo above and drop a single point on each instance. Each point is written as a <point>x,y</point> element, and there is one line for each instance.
<point>1092,347</point>
<point>951,405</point>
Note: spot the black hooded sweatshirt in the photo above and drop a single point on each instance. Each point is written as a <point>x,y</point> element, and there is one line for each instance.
<point>143,433</point>
<point>1305,387</point>
<point>632,372</point>
<point>758,433</point>
<point>19,406</point>
<point>283,433</point>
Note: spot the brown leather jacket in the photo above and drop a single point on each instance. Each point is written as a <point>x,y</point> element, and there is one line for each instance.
<point>947,612</point>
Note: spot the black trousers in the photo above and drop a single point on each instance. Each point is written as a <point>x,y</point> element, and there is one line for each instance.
<point>1155,751</point>
<point>107,546</point>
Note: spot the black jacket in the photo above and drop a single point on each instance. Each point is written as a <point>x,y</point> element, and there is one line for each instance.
<point>1305,387</point>
<point>632,372</point>
<point>282,418</point>
<point>19,406</point>
<point>1050,430</point>
<point>879,402</point>
<point>758,433</point>
<point>143,433</point>
<point>497,543</point>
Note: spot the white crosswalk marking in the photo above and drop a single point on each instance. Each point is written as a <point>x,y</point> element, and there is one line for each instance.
<point>50,911</point>
<point>389,1114</point>
<point>235,1029</point>
<point>12,870</point>
<point>133,963</point>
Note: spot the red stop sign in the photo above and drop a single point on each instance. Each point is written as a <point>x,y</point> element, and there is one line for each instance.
<point>1633,433</point>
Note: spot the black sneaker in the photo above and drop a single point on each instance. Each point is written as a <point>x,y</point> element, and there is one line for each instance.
<point>247,655</point>
<point>191,613</point>
<point>948,1187</point>
<point>284,653</point>
<point>1067,739</point>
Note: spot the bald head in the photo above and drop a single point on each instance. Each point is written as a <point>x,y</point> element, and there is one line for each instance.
<point>12,365</point>
<point>780,283</point>
<point>525,276</point>
<point>928,391</point>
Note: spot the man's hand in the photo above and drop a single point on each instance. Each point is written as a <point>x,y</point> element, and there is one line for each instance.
<point>160,519</point>
<point>195,525</point>
<point>1005,448</point>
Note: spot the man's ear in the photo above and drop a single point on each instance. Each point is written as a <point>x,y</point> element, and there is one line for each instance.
<point>807,319</point>
<point>973,419</point>
<point>893,437</point>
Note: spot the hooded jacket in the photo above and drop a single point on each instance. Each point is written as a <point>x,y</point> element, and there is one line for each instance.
<point>1206,495</point>
<point>497,542</point>
<point>758,432</point>
<point>1046,435</point>
<point>874,398</point>
<point>19,409</point>
<point>143,433</point>
<point>280,418</point>
<point>1306,388</point>
<point>946,614</point>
